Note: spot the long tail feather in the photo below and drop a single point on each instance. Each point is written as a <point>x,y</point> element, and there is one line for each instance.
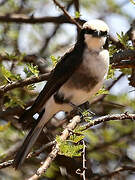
<point>29,142</point>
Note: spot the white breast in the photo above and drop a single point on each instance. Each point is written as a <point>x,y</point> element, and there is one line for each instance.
<point>96,63</point>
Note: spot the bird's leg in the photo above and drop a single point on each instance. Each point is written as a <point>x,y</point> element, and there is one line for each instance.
<point>75,107</point>
<point>86,106</point>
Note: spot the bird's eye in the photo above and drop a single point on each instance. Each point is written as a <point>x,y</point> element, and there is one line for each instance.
<point>103,33</point>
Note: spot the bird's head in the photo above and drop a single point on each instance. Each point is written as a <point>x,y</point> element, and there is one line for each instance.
<point>95,34</point>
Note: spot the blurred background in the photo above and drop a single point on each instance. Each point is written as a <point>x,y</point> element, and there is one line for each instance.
<point>34,34</point>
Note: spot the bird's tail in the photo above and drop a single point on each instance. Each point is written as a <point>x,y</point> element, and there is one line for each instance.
<point>29,142</point>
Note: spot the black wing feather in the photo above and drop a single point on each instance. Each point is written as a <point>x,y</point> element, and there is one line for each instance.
<point>61,73</point>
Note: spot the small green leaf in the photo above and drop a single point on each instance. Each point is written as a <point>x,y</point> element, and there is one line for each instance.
<point>31,87</point>
<point>112,50</point>
<point>79,129</point>
<point>110,72</point>
<point>9,76</point>
<point>14,101</point>
<point>102,91</point>
<point>132,1</point>
<point>123,38</point>
<point>75,138</point>
<point>68,149</point>
<point>86,115</point>
<point>33,69</point>
<point>55,60</point>
<point>77,14</point>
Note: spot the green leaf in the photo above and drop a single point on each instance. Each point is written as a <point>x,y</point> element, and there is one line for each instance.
<point>14,101</point>
<point>123,38</point>
<point>75,138</point>
<point>112,50</point>
<point>102,91</point>
<point>31,87</point>
<point>86,115</point>
<point>79,129</point>
<point>132,1</point>
<point>68,149</point>
<point>110,72</point>
<point>33,69</point>
<point>77,14</point>
<point>55,60</point>
<point>9,76</point>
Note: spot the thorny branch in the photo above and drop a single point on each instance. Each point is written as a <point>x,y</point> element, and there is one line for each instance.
<point>65,134</point>
<point>123,55</point>
<point>72,20</point>
<point>106,118</point>
<point>32,154</point>
<point>22,18</point>
<point>23,83</point>
<point>118,170</point>
<point>55,149</point>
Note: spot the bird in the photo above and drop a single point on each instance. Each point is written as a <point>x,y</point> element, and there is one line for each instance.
<point>75,79</point>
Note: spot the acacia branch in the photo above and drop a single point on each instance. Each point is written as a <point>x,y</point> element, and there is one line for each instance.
<point>106,118</point>
<point>39,61</point>
<point>123,55</point>
<point>22,18</point>
<point>55,149</point>
<point>118,170</point>
<point>23,83</point>
<point>30,155</point>
<point>71,19</point>
<point>101,97</point>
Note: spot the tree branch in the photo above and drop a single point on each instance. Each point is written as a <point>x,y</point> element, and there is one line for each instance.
<point>106,118</point>
<point>23,83</point>
<point>118,170</point>
<point>123,55</point>
<point>22,18</point>
<point>71,19</point>
<point>55,149</point>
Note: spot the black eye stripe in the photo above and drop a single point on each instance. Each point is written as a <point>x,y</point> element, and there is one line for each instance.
<point>100,33</point>
<point>90,31</point>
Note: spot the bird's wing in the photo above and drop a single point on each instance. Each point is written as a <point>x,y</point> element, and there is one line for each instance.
<point>61,73</point>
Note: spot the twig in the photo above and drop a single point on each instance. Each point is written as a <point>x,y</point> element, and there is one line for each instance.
<point>6,164</point>
<point>39,61</point>
<point>76,4</point>
<point>47,40</point>
<point>71,19</point>
<point>55,149</point>
<point>22,18</point>
<point>101,97</point>
<point>83,171</point>
<point>32,154</point>
<point>123,55</point>
<point>84,160</point>
<point>106,118</point>
<point>118,170</point>
<point>24,82</point>
<point>37,152</point>
<point>124,64</point>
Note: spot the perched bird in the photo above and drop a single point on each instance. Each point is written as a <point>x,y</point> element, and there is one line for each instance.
<point>77,77</point>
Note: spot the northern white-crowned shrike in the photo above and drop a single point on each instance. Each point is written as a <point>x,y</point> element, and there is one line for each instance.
<point>77,77</point>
